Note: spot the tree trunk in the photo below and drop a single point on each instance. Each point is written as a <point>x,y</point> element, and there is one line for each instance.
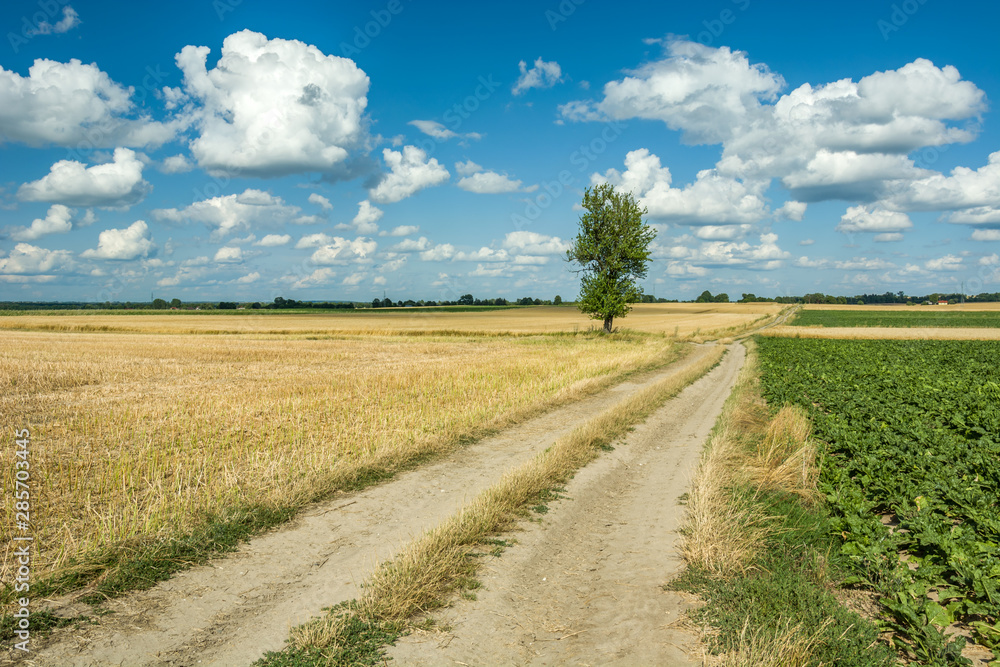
<point>607,323</point>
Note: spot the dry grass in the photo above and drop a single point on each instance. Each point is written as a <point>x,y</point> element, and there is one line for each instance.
<point>144,436</point>
<point>424,573</point>
<point>890,333</point>
<point>725,530</point>
<point>683,320</point>
<point>783,646</point>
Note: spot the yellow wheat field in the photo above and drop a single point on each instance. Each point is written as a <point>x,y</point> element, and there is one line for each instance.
<point>137,436</point>
<point>677,319</point>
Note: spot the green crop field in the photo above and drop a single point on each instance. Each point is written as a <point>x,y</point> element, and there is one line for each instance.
<point>911,472</point>
<point>919,317</point>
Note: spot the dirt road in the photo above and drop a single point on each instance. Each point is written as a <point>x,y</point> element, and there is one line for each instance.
<point>233,610</point>
<point>584,586</point>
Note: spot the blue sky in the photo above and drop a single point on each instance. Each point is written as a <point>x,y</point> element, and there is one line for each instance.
<point>229,149</point>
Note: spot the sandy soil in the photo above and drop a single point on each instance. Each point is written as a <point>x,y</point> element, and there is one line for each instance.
<point>584,586</point>
<point>233,610</point>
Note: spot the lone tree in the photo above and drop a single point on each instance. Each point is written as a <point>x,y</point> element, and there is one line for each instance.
<point>612,250</point>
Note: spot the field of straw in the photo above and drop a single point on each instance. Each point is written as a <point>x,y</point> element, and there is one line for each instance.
<point>675,319</point>
<point>144,436</point>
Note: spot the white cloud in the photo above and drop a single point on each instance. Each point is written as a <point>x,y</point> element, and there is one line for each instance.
<point>122,244</point>
<point>888,237</point>
<point>353,279</point>
<point>484,254</point>
<point>410,171</point>
<point>56,221</point>
<point>411,245</point>
<point>229,213</point>
<point>116,183</point>
<point>807,241</point>
<point>489,182</point>
<point>72,104</point>
<point>434,129</point>
<point>871,219</point>
<point>721,232</point>
<point>320,201</point>
<point>541,75</point>
<point>439,252</point>
<point>533,243</point>
<point>864,264</point>
<point>533,260</point>
<point>248,278</point>
<point>274,240</point>
<point>467,168</point>
<point>26,259</point>
<point>317,277</point>
<point>765,256</point>
<point>366,218</point>
<point>314,241</point>
<point>340,251</point>
<point>706,93</point>
<point>229,255</point>
<point>989,260</point>
<point>274,107</point>
<point>70,19</point>
<point>712,199</point>
<point>402,230</point>
<point>792,210</point>
<point>840,140</point>
<point>176,164</point>
<point>986,235</point>
<point>946,263</point>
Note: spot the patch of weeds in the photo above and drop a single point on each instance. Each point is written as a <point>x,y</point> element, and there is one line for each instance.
<point>789,585</point>
<point>683,498</point>
<point>359,642</point>
<point>498,545</point>
<point>41,624</point>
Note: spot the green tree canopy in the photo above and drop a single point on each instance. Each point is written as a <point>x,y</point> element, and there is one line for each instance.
<point>612,250</point>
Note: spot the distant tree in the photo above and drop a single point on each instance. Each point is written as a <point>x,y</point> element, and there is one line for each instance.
<point>705,297</point>
<point>175,303</point>
<point>376,302</point>
<point>466,300</point>
<point>558,300</point>
<point>226,305</point>
<point>159,304</point>
<point>387,302</point>
<point>612,250</point>
<point>721,298</point>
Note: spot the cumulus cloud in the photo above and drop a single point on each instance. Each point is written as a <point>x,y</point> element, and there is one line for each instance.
<point>366,218</point>
<point>274,240</point>
<point>411,245</point>
<point>274,107</point>
<point>540,75</point>
<point>116,183</point>
<point>26,259</point>
<point>712,199</point>
<point>871,219</point>
<point>56,221</point>
<point>434,129</point>
<point>841,140</point>
<point>792,210</point>
<point>888,237</point>
<point>228,213</point>
<point>229,255</point>
<point>439,252</point>
<point>340,251</point>
<point>401,230</point>
<point>353,279</point>
<point>986,235</point>
<point>176,164</point>
<point>409,171</point>
<point>533,243</point>
<point>484,182</point>
<point>70,19</point>
<point>765,256</point>
<point>72,104</point>
<point>946,263</point>
<point>318,277</point>
<point>320,201</point>
<point>484,254</point>
<point>247,279</point>
<point>314,241</point>
<point>122,244</point>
